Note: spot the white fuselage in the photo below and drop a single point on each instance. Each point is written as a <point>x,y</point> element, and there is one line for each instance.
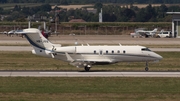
<point>110,54</point>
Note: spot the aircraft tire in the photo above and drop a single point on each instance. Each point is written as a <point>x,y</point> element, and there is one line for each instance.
<point>146,69</point>
<point>87,69</point>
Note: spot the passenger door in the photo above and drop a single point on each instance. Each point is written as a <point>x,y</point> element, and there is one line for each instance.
<point>101,52</point>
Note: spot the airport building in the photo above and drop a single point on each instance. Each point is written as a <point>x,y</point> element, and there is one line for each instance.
<point>175,24</point>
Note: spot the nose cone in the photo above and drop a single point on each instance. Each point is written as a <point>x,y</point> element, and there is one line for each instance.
<point>158,57</point>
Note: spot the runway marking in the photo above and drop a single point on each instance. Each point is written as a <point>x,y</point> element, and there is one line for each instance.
<point>88,74</point>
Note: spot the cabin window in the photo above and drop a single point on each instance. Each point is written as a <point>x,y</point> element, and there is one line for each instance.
<point>124,51</point>
<point>112,52</point>
<point>40,50</point>
<point>118,51</point>
<point>94,52</point>
<point>106,52</point>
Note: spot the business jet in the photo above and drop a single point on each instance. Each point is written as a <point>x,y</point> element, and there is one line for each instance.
<point>87,56</point>
<point>145,33</point>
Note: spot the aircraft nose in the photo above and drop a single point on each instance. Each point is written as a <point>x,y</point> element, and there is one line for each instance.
<point>159,57</point>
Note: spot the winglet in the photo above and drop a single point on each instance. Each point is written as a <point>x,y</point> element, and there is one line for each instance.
<point>69,58</point>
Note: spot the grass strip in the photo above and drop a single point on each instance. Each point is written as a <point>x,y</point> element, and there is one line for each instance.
<point>81,89</point>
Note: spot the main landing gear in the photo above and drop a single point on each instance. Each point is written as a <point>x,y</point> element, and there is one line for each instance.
<point>87,68</point>
<point>146,68</point>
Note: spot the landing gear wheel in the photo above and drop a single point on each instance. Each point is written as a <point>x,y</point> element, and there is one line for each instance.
<point>87,69</point>
<point>146,68</point>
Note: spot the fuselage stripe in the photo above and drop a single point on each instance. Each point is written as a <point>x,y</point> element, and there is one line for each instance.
<point>33,43</point>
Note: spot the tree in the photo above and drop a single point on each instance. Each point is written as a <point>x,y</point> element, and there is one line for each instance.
<point>128,13</point>
<point>109,18</point>
<point>163,8</point>
<point>3,1</point>
<point>1,10</point>
<point>45,7</point>
<point>17,8</point>
<point>64,2</point>
<point>149,12</point>
<point>98,6</point>
<point>161,12</point>
<point>26,11</point>
<point>140,16</point>
<point>174,9</point>
<point>16,16</point>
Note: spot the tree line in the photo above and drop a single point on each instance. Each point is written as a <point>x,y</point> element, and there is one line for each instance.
<point>114,13</point>
<point>111,13</point>
<point>66,2</point>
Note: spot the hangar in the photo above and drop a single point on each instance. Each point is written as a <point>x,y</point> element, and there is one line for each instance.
<point>175,24</point>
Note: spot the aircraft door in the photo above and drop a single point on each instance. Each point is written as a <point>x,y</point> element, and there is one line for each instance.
<point>101,52</point>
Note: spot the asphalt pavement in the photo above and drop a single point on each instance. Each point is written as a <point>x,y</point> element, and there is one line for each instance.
<point>86,74</point>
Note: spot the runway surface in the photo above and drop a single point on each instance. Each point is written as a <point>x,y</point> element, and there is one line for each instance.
<point>95,39</point>
<point>87,74</point>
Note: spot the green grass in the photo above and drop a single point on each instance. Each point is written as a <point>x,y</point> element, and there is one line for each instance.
<point>28,61</point>
<point>89,89</point>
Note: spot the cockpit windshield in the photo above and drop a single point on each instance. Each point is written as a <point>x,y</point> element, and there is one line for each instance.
<point>145,49</point>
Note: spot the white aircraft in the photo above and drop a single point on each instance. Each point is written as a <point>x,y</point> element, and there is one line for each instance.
<point>87,56</point>
<point>142,32</point>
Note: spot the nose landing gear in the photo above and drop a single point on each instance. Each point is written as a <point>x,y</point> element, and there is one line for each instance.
<point>87,69</point>
<point>146,68</point>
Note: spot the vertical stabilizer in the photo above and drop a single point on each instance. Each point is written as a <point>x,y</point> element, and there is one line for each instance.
<point>36,39</point>
<point>155,30</point>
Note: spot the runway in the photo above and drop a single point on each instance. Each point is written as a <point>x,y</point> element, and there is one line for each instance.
<point>86,74</point>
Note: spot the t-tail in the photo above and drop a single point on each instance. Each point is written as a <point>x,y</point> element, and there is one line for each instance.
<point>41,45</point>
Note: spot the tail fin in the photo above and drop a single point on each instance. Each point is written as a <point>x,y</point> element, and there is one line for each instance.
<point>155,30</point>
<point>36,39</point>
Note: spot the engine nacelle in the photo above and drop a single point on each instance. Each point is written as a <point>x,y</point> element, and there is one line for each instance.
<point>44,53</point>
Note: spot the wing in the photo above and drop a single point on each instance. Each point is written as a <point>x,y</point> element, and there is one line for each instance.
<point>88,62</point>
